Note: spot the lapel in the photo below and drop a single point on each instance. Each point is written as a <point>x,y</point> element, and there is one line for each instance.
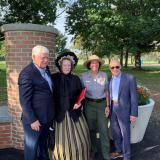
<point>109,84</point>
<point>37,72</point>
<point>109,89</point>
<point>39,76</point>
<point>49,75</point>
<point>122,80</point>
<point>48,71</point>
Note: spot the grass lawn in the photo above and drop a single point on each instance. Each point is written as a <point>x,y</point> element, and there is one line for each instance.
<point>2,74</point>
<point>149,76</point>
<point>3,90</point>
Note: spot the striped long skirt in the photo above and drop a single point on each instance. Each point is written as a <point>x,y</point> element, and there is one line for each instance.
<point>72,140</point>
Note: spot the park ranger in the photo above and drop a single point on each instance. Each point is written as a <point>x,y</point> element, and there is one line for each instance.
<point>96,106</point>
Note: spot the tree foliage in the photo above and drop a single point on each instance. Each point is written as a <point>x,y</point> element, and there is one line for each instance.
<point>87,19</point>
<point>115,26</point>
<point>32,11</point>
<point>61,41</point>
<point>2,49</point>
<point>29,11</point>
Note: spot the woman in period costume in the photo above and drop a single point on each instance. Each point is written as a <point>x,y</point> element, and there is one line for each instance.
<point>72,140</point>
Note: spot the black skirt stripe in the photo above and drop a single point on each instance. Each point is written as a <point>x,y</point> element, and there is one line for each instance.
<point>72,140</point>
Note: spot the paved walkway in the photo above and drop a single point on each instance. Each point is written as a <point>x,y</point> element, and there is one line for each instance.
<point>148,149</point>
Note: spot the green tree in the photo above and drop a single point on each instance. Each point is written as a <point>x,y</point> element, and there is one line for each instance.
<point>96,22</point>
<point>2,49</point>
<point>142,21</point>
<point>61,41</point>
<point>116,26</point>
<point>28,11</point>
<point>77,43</point>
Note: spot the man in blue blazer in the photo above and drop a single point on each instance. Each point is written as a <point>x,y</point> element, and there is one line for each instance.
<point>124,109</point>
<point>36,98</point>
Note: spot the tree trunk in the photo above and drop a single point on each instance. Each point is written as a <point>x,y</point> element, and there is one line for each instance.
<point>132,59</point>
<point>121,58</point>
<point>109,58</point>
<point>126,59</point>
<point>138,60</point>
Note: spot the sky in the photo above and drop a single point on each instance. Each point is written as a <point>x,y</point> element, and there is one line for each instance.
<point>59,24</point>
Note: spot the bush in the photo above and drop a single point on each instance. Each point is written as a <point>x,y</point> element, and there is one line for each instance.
<point>143,95</point>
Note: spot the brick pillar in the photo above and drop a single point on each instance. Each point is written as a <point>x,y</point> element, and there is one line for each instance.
<point>5,135</point>
<point>19,41</point>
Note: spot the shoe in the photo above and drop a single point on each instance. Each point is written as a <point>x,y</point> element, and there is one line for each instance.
<point>95,156</point>
<point>115,155</point>
<point>92,156</point>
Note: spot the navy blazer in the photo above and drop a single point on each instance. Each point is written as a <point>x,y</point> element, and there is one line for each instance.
<point>127,97</point>
<point>36,97</point>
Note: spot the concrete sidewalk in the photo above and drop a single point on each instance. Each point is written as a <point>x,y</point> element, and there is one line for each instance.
<point>147,149</point>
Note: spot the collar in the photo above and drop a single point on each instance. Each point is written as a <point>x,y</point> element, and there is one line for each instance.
<point>117,76</point>
<point>42,70</point>
<point>90,74</point>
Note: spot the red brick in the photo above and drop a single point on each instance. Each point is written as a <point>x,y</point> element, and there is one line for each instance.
<point>24,50</point>
<point>21,37</point>
<point>13,33</point>
<point>27,33</point>
<point>34,38</point>
<point>39,34</point>
<point>19,47</point>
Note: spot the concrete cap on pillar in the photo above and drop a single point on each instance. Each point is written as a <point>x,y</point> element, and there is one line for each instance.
<point>27,27</point>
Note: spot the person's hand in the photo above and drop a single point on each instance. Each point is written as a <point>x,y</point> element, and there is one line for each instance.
<point>133,119</point>
<point>76,106</point>
<point>35,125</point>
<point>107,110</point>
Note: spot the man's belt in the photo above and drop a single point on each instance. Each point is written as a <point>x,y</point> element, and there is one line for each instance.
<point>95,100</point>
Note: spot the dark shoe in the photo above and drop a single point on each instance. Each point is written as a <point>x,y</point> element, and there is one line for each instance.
<point>95,156</point>
<point>92,156</point>
<point>115,155</point>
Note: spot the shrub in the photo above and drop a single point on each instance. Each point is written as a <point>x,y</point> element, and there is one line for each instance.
<point>143,95</point>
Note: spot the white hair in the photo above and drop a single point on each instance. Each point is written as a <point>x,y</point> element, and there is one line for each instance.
<point>39,49</point>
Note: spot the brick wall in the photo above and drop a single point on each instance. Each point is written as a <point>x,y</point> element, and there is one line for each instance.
<point>19,45</point>
<point>5,135</point>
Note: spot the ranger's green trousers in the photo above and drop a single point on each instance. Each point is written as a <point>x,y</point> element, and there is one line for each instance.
<point>97,122</point>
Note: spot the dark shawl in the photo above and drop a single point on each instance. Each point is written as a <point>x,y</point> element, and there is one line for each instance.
<point>66,90</point>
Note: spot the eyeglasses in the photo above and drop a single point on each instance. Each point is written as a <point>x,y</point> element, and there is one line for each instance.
<point>117,67</point>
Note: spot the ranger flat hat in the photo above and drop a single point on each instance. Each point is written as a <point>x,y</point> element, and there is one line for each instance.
<point>91,58</point>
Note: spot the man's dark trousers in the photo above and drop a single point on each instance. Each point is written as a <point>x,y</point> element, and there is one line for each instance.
<point>35,142</point>
<point>121,132</point>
